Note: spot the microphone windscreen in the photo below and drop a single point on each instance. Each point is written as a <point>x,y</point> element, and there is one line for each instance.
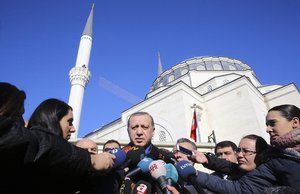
<point>185,169</point>
<point>120,156</point>
<point>157,168</point>
<point>164,155</point>
<point>142,187</point>
<point>144,164</point>
<point>171,173</point>
<point>134,155</point>
<point>142,167</point>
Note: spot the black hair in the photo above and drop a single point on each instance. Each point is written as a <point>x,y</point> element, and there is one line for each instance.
<point>11,101</point>
<point>48,115</point>
<point>111,141</point>
<point>261,148</point>
<point>288,111</point>
<point>224,144</point>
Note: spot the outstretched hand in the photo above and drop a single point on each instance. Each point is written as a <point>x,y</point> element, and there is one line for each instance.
<point>102,162</point>
<point>198,157</point>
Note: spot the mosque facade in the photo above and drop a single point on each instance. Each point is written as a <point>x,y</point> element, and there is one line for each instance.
<point>229,101</point>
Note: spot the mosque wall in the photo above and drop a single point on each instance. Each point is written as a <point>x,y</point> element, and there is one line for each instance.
<point>230,111</point>
<point>285,95</point>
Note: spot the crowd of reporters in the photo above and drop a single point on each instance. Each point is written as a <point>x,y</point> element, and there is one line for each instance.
<point>39,159</point>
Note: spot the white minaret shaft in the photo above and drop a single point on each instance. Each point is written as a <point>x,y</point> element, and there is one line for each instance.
<point>80,74</point>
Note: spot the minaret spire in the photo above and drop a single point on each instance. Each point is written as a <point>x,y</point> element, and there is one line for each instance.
<point>88,29</point>
<point>159,69</point>
<point>80,74</point>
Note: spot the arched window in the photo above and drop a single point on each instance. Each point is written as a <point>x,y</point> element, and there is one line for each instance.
<point>171,77</point>
<point>162,136</point>
<point>160,83</point>
<point>201,66</point>
<point>217,66</point>
<point>184,71</point>
<point>232,67</point>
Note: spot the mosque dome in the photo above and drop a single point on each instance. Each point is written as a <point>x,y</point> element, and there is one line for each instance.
<point>203,63</point>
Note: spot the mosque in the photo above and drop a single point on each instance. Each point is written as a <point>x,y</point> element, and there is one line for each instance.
<point>227,97</point>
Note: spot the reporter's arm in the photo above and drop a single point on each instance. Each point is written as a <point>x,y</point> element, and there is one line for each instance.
<point>102,162</point>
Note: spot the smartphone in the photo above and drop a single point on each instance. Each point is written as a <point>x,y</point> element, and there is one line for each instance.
<point>184,150</point>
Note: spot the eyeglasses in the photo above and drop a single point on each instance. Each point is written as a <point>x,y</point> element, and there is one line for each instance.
<point>245,151</point>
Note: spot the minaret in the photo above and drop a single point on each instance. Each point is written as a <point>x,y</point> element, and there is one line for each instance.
<point>80,74</point>
<point>159,69</point>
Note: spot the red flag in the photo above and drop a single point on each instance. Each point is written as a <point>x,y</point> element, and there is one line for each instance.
<point>194,127</point>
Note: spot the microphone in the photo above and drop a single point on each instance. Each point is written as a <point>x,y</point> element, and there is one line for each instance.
<point>120,156</point>
<point>158,171</point>
<point>134,156</point>
<point>142,187</point>
<point>164,155</point>
<point>142,167</point>
<point>171,175</point>
<point>188,173</point>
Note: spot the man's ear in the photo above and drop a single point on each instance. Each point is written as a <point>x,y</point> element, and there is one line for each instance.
<point>295,123</point>
<point>153,132</point>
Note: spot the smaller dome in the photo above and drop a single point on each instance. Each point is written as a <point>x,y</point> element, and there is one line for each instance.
<point>203,63</point>
<point>214,64</point>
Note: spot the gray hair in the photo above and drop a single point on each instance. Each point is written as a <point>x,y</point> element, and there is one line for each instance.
<point>182,140</point>
<point>140,113</point>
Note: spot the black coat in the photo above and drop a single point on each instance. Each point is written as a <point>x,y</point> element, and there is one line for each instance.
<point>223,167</point>
<point>24,152</point>
<point>281,170</point>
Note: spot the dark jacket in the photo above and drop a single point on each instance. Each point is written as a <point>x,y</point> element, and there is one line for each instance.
<point>60,167</point>
<point>281,170</point>
<point>109,183</point>
<point>24,152</point>
<point>223,167</point>
<point>16,156</point>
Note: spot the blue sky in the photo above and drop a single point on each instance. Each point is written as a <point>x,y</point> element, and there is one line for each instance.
<point>39,41</point>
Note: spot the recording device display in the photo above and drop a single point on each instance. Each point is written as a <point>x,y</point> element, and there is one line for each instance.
<point>184,150</point>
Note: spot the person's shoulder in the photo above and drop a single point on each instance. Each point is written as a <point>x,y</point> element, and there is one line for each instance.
<point>276,154</point>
